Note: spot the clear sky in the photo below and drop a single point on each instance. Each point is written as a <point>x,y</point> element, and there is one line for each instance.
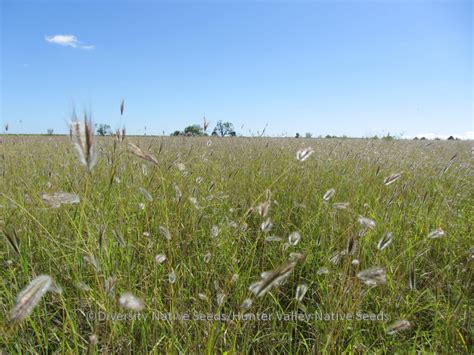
<point>327,67</point>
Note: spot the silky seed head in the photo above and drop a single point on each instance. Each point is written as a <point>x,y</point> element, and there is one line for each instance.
<point>304,153</point>
<point>129,301</point>
<point>392,178</point>
<point>329,194</point>
<point>294,238</point>
<point>373,276</point>
<point>437,233</point>
<point>160,258</point>
<point>29,297</point>
<point>366,222</point>
<point>385,241</point>
<point>398,326</point>
<point>300,292</point>
<point>246,304</point>
<point>266,226</point>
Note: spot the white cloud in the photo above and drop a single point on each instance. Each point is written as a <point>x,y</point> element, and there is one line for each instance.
<point>63,40</point>
<point>464,136</point>
<point>67,41</point>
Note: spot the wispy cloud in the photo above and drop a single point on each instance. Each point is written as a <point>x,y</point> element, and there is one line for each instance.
<point>68,41</point>
<point>87,47</point>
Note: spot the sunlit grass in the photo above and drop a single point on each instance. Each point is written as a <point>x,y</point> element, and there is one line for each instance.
<point>428,281</point>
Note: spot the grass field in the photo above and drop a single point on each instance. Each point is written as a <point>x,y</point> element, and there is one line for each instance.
<point>211,206</point>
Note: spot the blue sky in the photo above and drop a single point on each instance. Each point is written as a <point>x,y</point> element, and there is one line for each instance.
<point>346,67</point>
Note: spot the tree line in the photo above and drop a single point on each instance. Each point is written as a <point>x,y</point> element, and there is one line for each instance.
<point>222,129</point>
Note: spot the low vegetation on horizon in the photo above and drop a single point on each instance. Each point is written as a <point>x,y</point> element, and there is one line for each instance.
<point>208,245</point>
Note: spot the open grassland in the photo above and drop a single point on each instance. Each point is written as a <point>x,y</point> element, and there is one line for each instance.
<point>190,234</point>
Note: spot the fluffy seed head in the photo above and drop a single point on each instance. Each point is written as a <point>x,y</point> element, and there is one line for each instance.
<point>304,153</point>
<point>340,205</point>
<point>165,232</point>
<point>273,238</point>
<point>160,258</point>
<point>398,326</point>
<point>142,154</point>
<point>391,179</point>
<point>267,225</point>
<point>322,271</point>
<point>29,297</point>
<point>263,209</point>
<point>214,231</point>
<point>146,194</point>
<point>120,134</point>
<point>329,194</point>
<point>109,285</point>
<point>294,238</point>
<point>437,233</point>
<point>300,292</point>
<point>373,276</point>
<point>181,167</point>
<point>178,192</point>
<point>82,135</point>
<point>195,202</point>
<point>55,200</point>
<point>385,241</point>
<point>412,276</point>
<point>220,298</point>
<point>172,277</point>
<point>93,339</point>
<point>203,297</point>
<point>272,278</point>
<point>92,260</point>
<point>129,301</point>
<point>366,222</point>
<point>207,257</point>
<point>246,304</point>
<point>296,256</point>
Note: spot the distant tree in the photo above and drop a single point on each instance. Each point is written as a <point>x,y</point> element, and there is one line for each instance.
<point>308,135</point>
<point>450,138</point>
<point>224,129</point>
<point>297,135</point>
<point>103,129</point>
<point>423,138</point>
<point>177,133</point>
<point>50,131</point>
<point>415,139</point>
<point>194,130</point>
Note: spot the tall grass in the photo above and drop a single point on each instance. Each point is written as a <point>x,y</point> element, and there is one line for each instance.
<point>183,235</point>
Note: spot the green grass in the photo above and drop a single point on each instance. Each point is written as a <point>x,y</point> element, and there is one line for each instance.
<point>236,174</point>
